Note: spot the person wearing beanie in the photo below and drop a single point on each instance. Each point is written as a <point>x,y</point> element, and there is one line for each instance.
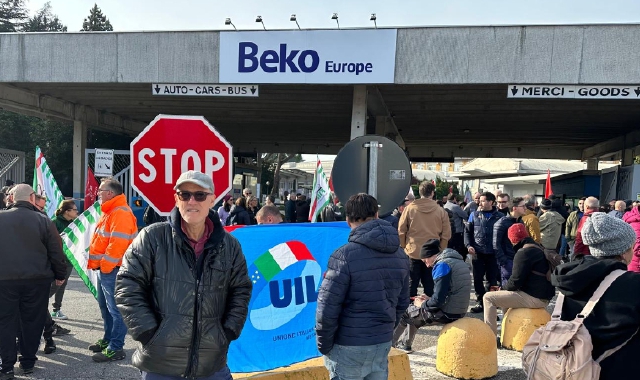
<point>550,225</point>
<point>528,285</point>
<point>616,317</point>
<point>450,300</point>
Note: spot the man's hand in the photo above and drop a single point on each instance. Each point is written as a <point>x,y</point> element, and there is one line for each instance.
<point>59,282</point>
<point>494,288</point>
<point>472,251</point>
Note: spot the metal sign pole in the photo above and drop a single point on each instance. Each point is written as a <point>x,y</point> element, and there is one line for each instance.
<point>373,167</point>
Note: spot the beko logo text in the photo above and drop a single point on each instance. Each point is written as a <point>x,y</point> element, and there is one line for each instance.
<point>306,61</point>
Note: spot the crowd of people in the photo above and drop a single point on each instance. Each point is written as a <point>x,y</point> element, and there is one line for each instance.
<point>182,290</point>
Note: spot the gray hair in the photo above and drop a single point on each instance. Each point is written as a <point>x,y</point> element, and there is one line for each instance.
<point>22,192</point>
<point>592,203</point>
<point>530,200</point>
<point>113,185</point>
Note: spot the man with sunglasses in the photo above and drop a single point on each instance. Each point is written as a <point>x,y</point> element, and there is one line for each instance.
<point>114,233</point>
<point>184,289</point>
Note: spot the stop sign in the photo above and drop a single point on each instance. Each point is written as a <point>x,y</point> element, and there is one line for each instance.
<point>171,145</point>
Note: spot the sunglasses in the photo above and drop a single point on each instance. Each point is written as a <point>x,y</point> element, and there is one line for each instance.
<point>200,196</point>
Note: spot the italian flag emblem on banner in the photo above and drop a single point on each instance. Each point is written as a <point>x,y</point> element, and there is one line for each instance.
<point>44,184</point>
<point>320,193</point>
<point>75,242</point>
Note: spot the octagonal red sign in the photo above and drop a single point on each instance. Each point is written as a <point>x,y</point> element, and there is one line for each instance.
<point>171,145</point>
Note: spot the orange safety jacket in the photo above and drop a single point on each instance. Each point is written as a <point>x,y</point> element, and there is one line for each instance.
<point>114,232</point>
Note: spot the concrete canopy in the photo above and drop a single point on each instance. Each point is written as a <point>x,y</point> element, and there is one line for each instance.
<point>448,99</point>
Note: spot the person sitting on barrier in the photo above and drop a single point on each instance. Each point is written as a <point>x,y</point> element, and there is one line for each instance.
<point>528,285</point>
<point>450,300</point>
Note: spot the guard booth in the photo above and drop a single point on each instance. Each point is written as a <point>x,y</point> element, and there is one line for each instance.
<point>573,186</point>
<point>12,166</point>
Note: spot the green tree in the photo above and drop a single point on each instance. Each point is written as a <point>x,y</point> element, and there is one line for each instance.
<point>443,188</point>
<point>96,22</point>
<point>44,21</point>
<point>13,14</point>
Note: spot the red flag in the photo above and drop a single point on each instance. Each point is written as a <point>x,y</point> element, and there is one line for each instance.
<point>547,186</point>
<point>90,190</point>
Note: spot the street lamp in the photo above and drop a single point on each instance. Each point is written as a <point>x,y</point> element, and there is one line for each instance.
<point>373,18</point>
<point>295,19</point>
<point>227,21</point>
<point>268,183</point>
<point>335,17</point>
<point>259,19</point>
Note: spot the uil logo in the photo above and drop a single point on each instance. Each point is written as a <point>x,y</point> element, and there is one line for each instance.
<point>285,281</point>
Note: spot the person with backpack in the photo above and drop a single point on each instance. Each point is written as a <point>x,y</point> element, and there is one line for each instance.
<point>528,285</point>
<point>597,339</point>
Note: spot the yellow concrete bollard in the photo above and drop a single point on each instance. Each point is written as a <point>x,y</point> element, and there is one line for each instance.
<point>518,325</point>
<point>467,350</point>
<point>313,369</point>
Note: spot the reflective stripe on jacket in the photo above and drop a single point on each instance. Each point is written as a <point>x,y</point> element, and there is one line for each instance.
<point>114,232</point>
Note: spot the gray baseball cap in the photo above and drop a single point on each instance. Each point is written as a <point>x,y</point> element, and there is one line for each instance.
<point>196,178</point>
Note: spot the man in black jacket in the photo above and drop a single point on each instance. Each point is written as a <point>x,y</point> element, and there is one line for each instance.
<point>501,244</point>
<point>478,239</point>
<point>31,256</point>
<point>183,289</point>
<point>363,295</point>
<point>528,285</point>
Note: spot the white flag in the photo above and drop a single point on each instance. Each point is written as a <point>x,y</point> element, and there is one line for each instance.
<point>44,184</point>
<point>75,242</point>
<point>320,193</point>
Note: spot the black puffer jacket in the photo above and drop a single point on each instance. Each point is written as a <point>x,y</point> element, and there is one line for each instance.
<point>31,249</point>
<point>365,290</point>
<point>479,231</point>
<point>614,319</point>
<point>239,216</point>
<point>184,312</point>
<point>501,243</point>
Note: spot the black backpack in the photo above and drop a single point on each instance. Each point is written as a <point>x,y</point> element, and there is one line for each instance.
<point>553,259</point>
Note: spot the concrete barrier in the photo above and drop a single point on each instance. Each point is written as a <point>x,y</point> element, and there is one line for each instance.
<point>314,369</point>
<point>467,350</point>
<point>518,325</point>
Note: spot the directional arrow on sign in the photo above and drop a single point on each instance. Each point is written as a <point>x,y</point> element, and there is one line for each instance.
<point>637,91</point>
<point>157,89</point>
<point>514,90</point>
<point>253,89</point>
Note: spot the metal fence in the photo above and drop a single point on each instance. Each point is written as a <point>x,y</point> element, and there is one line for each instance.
<point>121,169</point>
<point>11,166</point>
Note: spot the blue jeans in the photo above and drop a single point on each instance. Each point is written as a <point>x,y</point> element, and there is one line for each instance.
<point>114,327</point>
<point>358,362</point>
<point>223,374</point>
<point>563,246</point>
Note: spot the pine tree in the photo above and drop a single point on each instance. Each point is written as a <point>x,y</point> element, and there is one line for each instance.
<point>96,21</point>
<point>13,14</point>
<point>44,21</point>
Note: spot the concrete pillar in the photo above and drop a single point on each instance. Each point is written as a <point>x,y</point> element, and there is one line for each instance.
<point>359,113</point>
<point>79,165</point>
<point>628,156</point>
<point>592,164</point>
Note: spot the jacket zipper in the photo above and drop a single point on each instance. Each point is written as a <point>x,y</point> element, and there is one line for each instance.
<point>190,372</point>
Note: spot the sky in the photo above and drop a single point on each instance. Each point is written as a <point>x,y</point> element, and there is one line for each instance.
<point>139,15</point>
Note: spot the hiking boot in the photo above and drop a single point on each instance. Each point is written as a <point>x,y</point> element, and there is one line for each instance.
<point>9,375</point>
<point>49,346</point>
<point>26,370</point>
<point>108,355</point>
<point>57,314</point>
<point>99,345</point>
<point>59,330</point>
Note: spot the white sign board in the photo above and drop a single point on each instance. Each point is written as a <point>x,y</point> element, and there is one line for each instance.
<point>572,92</point>
<point>308,56</point>
<point>242,90</point>
<point>103,163</point>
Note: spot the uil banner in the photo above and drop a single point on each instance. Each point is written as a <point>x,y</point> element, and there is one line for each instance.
<point>286,265</point>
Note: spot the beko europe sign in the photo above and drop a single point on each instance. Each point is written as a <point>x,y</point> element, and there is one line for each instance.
<point>310,56</point>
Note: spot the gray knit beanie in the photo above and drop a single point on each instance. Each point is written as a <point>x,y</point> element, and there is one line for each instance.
<point>607,236</point>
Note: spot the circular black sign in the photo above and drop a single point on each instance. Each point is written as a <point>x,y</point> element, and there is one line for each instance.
<point>351,171</point>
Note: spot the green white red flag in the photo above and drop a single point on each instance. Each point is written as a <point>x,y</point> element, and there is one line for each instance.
<point>320,193</point>
<point>44,184</point>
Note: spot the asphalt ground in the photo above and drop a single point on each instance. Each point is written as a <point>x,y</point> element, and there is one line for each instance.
<point>72,360</point>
